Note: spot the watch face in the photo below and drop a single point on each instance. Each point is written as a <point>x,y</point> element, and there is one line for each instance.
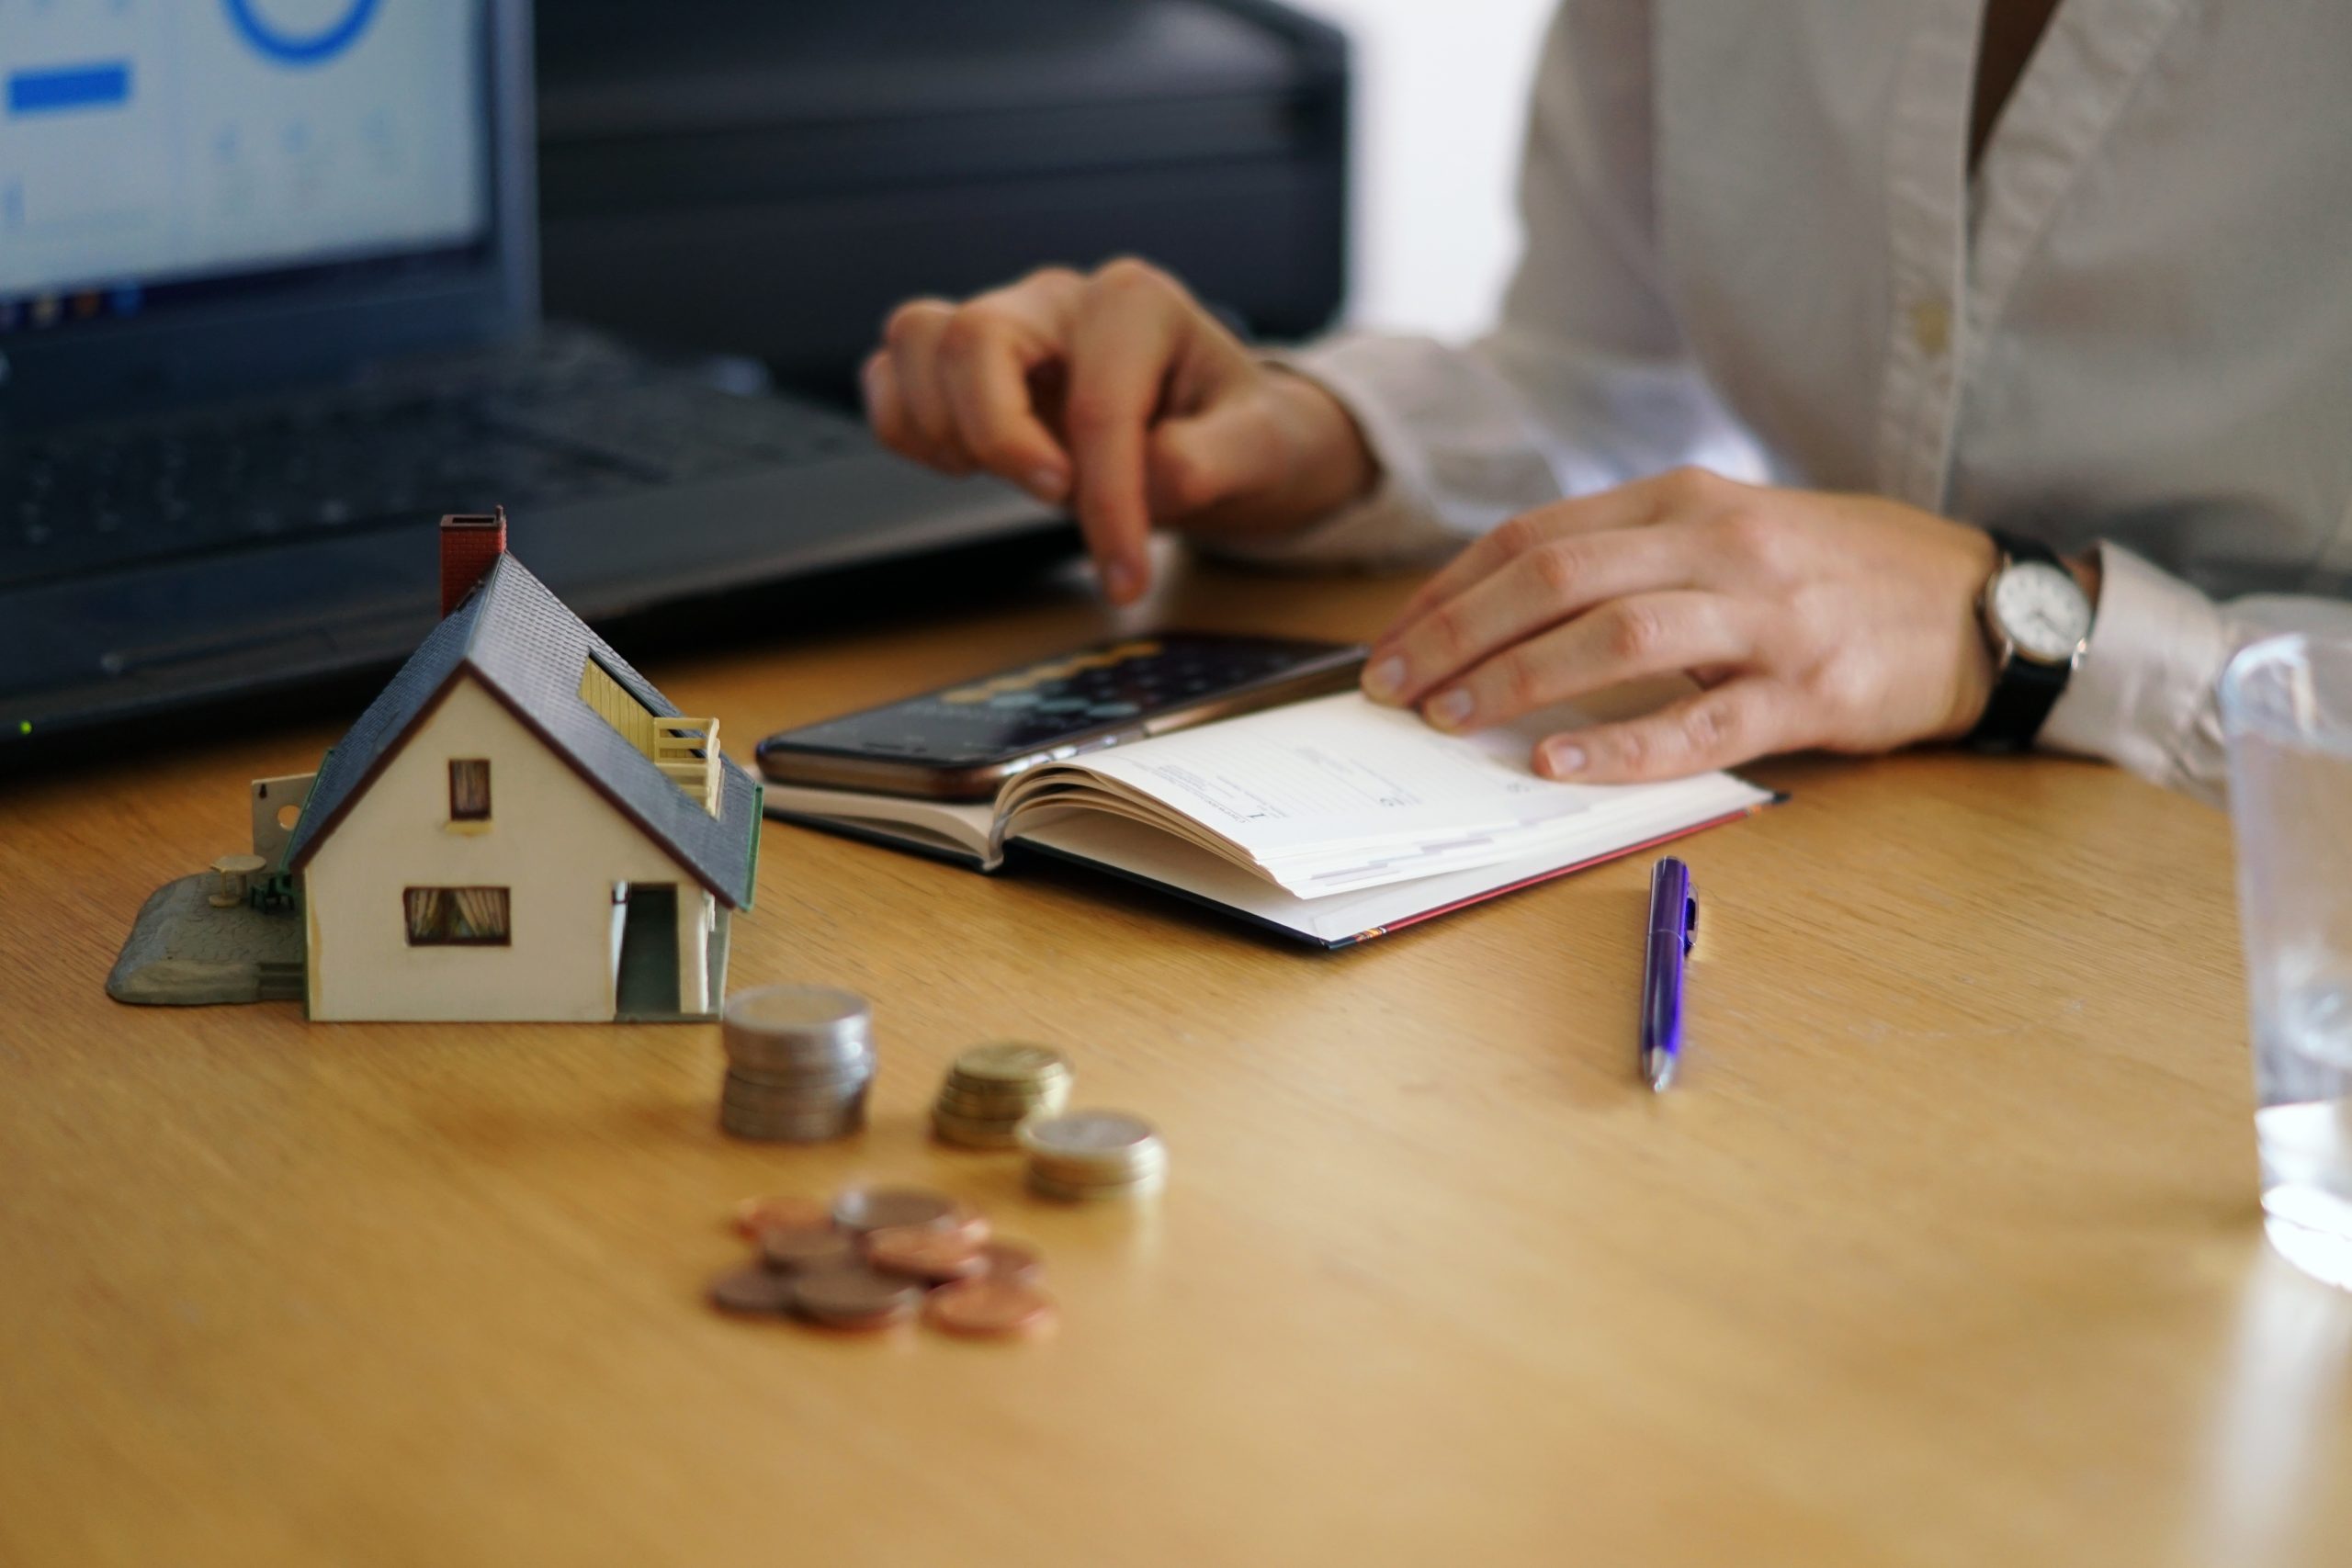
<point>2042,609</point>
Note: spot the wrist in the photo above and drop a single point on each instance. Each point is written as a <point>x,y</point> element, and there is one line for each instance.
<point>1332,465</point>
<point>1978,667</point>
<point>2088,572</point>
<point>2037,612</point>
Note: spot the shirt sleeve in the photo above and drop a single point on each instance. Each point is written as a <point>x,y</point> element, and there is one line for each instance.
<point>2145,695</point>
<point>1586,380</point>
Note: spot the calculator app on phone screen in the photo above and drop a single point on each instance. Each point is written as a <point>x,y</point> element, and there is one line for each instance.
<point>963,742</point>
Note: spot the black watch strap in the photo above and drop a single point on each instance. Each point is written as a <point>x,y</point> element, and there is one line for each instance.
<point>2024,689</point>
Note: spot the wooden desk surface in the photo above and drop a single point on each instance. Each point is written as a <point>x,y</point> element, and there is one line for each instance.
<point>1945,1252</point>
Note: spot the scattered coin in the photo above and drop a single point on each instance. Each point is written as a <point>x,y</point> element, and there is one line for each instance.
<point>753,1292</point>
<point>792,1250</point>
<point>799,1059</point>
<point>853,1297</point>
<point>967,1223</point>
<point>876,1256</point>
<point>754,1215</point>
<point>1013,1261</point>
<point>987,1306</point>
<point>925,1253</point>
<point>881,1208</point>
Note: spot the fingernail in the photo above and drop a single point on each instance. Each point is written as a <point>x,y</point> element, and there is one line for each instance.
<point>1448,709</point>
<point>1386,678</point>
<point>1119,582</point>
<point>1048,485</point>
<point>1564,757</point>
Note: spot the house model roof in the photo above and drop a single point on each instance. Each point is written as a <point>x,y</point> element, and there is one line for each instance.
<point>529,650</point>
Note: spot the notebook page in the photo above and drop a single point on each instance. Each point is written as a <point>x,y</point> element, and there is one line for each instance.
<point>1124,844</point>
<point>1308,790</point>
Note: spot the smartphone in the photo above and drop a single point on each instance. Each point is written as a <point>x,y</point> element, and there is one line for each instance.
<point>963,742</point>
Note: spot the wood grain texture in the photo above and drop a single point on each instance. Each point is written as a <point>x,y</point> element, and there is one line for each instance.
<point>1945,1252</point>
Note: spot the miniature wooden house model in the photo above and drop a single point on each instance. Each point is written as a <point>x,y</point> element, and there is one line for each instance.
<point>520,826</point>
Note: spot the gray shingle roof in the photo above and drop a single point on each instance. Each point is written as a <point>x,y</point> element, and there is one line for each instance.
<point>528,649</point>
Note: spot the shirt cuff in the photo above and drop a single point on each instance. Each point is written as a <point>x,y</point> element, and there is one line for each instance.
<point>2143,696</point>
<point>1406,396</point>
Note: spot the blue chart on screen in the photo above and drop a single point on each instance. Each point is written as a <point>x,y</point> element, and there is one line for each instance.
<point>291,47</point>
<point>102,85</point>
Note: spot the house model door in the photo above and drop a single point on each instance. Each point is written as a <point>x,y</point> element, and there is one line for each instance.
<point>645,975</point>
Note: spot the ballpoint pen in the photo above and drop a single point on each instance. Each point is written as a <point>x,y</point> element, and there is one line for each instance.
<point>1673,925</point>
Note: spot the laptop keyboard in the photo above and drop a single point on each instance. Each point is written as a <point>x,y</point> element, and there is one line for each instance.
<point>524,431</point>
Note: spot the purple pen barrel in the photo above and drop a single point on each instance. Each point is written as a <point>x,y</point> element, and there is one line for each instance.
<point>1673,923</point>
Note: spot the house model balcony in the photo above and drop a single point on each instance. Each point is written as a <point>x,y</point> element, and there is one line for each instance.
<point>687,750</point>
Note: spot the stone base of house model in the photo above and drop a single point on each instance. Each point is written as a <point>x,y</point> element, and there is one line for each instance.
<point>184,951</point>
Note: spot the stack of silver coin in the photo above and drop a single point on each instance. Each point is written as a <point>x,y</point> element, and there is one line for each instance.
<point>990,1090</point>
<point>798,1061</point>
<point>1093,1154</point>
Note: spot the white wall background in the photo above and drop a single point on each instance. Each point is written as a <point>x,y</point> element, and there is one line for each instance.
<point>1441,107</point>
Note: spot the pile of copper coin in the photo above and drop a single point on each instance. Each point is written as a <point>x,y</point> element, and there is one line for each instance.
<point>875,1256</point>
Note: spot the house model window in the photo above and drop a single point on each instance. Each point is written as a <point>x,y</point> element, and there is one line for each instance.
<point>468,789</point>
<point>456,917</point>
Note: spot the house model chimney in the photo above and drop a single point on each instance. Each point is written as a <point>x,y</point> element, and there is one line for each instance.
<point>470,546</point>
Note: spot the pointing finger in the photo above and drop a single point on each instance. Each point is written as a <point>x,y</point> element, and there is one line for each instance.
<point>1122,348</point>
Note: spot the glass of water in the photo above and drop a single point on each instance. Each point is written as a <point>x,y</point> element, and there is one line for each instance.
<point>2286,710</point>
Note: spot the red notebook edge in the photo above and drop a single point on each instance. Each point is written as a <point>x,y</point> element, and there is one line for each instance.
<point>1554,874</point>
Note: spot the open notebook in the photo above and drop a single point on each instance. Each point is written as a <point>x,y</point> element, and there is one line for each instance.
<point>1332,821</point>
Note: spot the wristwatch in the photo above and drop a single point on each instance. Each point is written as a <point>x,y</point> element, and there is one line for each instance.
<point>2039,620</point>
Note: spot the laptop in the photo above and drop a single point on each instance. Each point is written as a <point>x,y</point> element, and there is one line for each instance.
<point>268,309</point>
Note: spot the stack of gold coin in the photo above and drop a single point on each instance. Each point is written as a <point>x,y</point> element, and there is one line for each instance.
<point>1093,1154</point>
<point>798,1060</point>
<point>990,1090</point>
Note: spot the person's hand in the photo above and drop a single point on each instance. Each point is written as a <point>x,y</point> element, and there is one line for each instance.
<point>1845,622</point>
<point>1117,394</point>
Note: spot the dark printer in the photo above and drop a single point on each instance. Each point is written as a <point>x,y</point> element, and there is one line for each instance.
<point>770,178</point>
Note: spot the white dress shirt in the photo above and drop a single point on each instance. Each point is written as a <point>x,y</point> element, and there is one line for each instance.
<point>1753,243</point>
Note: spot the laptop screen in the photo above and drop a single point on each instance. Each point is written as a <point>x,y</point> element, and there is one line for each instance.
<point>158,152</point>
